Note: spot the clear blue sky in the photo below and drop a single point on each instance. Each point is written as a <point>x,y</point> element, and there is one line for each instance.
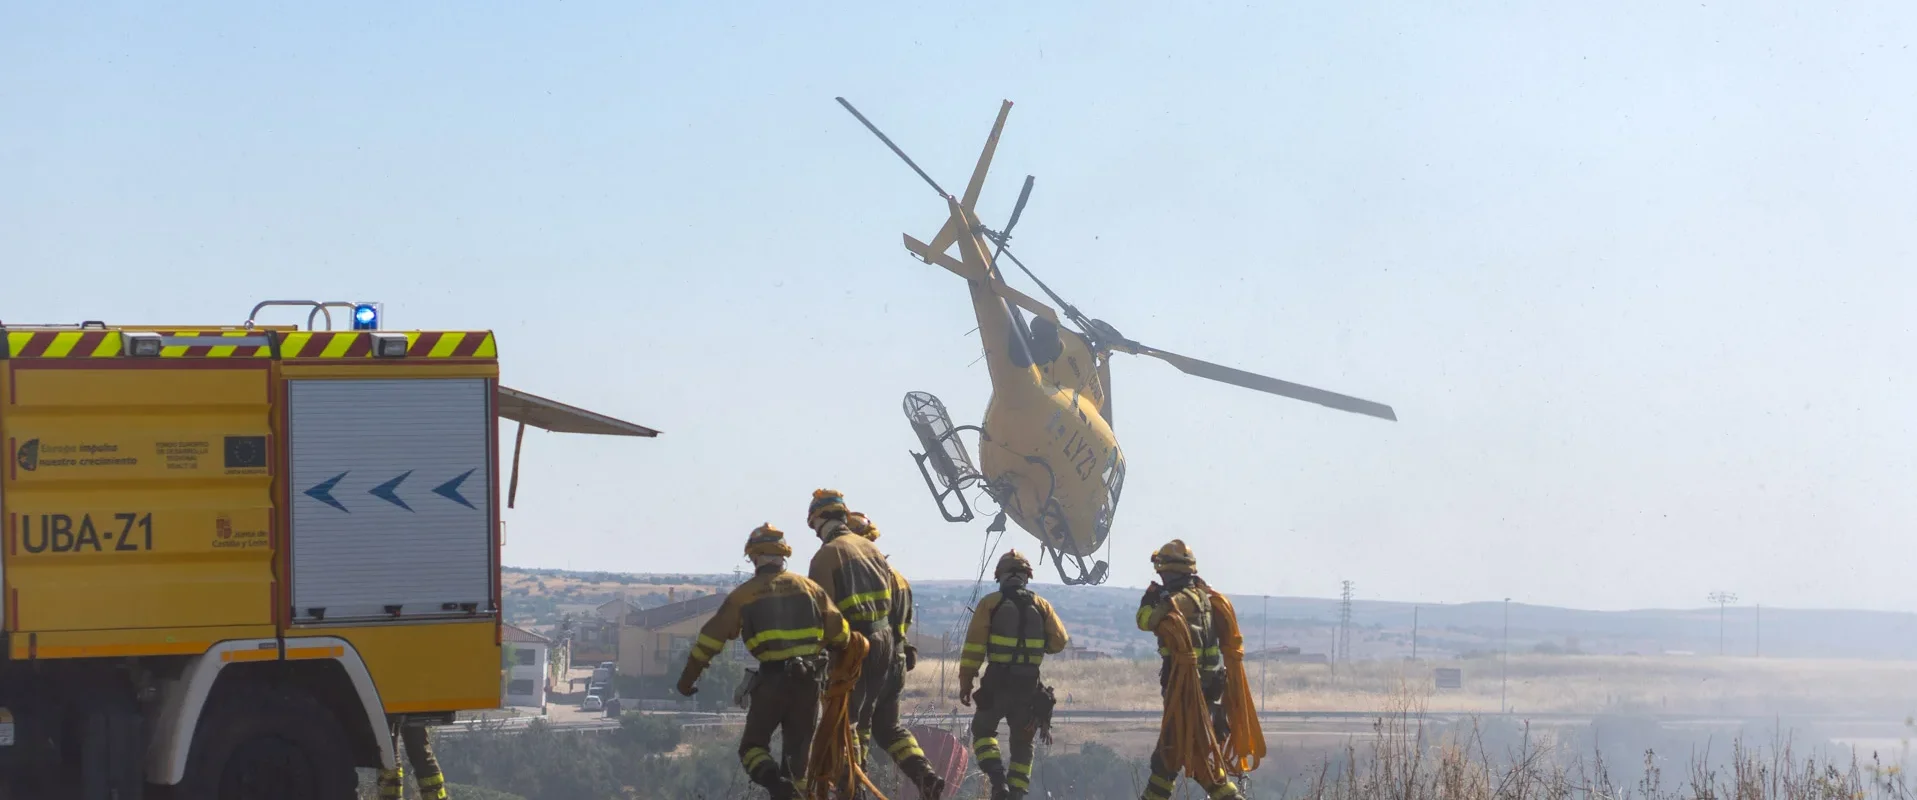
<point>1635,275</point>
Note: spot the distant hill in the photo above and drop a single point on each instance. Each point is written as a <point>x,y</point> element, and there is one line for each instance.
<point>1100,617</point>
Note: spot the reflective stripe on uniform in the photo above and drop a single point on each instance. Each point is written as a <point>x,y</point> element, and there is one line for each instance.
<point>1223,790</point>
<point>803,633</point>
<point>754,758</point>
<point>865,606</point>
<point>796,642</point>
<point>1021,776</point>
<point>974,655</point>
<point>1209,658</point>
<point>1009,637</point>
<point>1159,789</point>
<point>986,748</point>
<point>1144,617</point>
<point>906,747</point>
<point>392,782</point>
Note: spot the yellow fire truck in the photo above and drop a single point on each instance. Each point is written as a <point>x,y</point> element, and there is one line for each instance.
<point>235,557</point>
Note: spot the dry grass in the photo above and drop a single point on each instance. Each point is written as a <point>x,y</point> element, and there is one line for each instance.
<point>1403,762</point>
<point>1536,684</point>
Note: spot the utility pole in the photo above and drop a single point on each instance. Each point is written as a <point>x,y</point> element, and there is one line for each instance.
<point>1264,658</point>
<point>1504,658</point>
<point>1344,626</point>
<point>1722,599</point>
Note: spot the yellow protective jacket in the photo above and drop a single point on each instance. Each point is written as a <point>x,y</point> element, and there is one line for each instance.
<point>902,615</point>
<point>778,614</point>
<point>1004,633</point>
<point>1195,604</point>
<point>855,575</point>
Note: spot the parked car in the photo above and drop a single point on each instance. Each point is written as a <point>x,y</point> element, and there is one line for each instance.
<point>613,707</point>
<point>593,703</point>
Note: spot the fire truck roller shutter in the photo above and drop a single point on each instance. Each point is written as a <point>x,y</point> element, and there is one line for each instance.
<point>391,493</point>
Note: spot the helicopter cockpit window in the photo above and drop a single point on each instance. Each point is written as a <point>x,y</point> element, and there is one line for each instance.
<point>1114,477</point>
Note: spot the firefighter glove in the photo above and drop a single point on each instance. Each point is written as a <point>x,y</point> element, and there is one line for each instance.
<point>688,684</point>
<point>911,658</point>
<point>965,692</point>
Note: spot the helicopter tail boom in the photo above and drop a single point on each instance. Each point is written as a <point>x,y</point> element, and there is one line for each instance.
<point>949,234</point>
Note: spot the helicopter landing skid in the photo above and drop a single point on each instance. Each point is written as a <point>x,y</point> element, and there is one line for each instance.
<point>1091,576</point>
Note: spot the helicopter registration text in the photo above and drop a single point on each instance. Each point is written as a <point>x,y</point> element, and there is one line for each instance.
<point>1084,455</point>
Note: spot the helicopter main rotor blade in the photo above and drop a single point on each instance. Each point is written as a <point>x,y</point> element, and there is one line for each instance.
<point>1248,380</point>
<point>895,148</point>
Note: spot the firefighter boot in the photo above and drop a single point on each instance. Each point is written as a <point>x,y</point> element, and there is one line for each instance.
<point>999,790</point>
<point>929,784</point>
<point>392,783</point>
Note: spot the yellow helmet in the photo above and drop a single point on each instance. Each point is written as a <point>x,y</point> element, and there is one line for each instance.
<point>1174,557</point>
<point>823,501</point>
<point>1012,562</point>
<point>767,541</point>
<point>862,526</point>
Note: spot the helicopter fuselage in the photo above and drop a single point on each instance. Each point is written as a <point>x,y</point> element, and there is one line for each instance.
<point>1048,457</point>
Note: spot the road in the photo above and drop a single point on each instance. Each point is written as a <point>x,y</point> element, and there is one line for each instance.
<point>1277,723</point>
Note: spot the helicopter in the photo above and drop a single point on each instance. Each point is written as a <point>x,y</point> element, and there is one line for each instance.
<point>1047,454</point>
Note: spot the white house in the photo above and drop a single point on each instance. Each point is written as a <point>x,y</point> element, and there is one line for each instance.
<point>527,655</point>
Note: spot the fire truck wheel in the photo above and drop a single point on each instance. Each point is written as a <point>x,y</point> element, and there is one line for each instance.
<point>263,741</point>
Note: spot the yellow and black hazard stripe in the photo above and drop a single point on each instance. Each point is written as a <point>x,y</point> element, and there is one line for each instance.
<point>419,344</point>
<point>63,344</point>
<point>247,344</point>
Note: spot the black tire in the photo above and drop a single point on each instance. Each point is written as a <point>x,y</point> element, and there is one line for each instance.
<point>259,741</point>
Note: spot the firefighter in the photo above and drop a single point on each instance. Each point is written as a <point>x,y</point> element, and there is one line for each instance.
<point>417,740</point>
<point>1184,590</point>
<point>859,579</point>
<point>786,621</point>
<point>1012,631</point>
<point>886,729</point>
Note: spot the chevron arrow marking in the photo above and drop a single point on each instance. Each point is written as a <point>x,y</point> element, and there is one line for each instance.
<point>323,492</point>
<point>384,491</point>
<point>450,489</point>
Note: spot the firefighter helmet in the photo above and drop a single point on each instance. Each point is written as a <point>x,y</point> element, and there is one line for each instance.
<point>862,525</point>
<point>1174,557</point>
<point>767,541</point>
<point>1012,562</point>
<point>824,501</point>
